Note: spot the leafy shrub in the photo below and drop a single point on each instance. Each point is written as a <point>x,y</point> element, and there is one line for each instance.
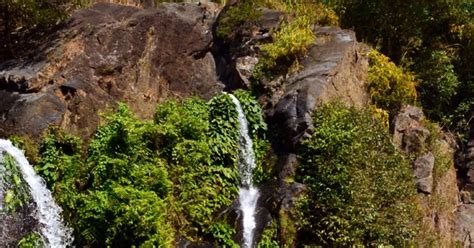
<point>29,13</point>
<point>389,86</point>
<point>117,194</point>
<point>223,233</point>
<point>439,84</point>
<point>31,240</point>
<point>237,15</point>
<point>143,182</point>
<point>360,189</point>
<point>269,237</point>
<point>224,129</point>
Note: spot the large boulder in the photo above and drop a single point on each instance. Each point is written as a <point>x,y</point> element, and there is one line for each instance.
<point>105,54</point>
<point>335,68</point>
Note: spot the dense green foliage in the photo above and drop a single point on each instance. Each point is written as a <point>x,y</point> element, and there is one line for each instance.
<point>360,189</point>
<point>144,183</point>
<point>16,190</point>
<point>31,240</point>
<point>293,37</point>
<point>269,237</point>
<point>435,39</point>
<point>439,83</point>
<point>237,15</point>
<point>389,86</point>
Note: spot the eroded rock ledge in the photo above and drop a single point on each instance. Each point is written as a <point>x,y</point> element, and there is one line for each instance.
<point>103,55</point>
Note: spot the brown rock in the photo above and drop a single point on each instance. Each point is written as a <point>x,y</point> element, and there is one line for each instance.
<point>105,54</point>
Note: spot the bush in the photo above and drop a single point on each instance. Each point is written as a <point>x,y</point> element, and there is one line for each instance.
<point>439,84</point>
<point>293,37</point>
<point>145,182</point>
<point>389,86</point>
<point>360,189</point>
<point>31,240</point>
<point>236,16</point>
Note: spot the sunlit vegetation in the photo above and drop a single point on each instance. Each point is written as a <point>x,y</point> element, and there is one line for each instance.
<point>360,188</point>
<point>389,86</point>
<point>148,182</point>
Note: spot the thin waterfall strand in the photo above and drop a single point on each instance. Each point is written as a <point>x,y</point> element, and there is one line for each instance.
<point>248,195</point>
<point>48,213</point>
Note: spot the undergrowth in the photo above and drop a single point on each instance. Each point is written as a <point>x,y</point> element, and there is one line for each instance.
<point>144,183</point>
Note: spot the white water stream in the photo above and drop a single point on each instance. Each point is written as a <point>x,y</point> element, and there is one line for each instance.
<point>48,213</point>
<point>248,195</point>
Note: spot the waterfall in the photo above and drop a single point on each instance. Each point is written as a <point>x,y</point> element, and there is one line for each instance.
<point>248,195</point>
<point>48,213</point>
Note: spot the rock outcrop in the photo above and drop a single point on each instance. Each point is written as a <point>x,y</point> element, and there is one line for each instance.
<point>103,55</point>
<point>335,68</point>
<point>465,212</point>
<point>433,171</point>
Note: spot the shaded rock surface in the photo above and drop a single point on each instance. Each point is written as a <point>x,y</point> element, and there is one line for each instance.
<point>335,68</point>
<point>465,212</point>
<point>423,172</point>
<point>105,54</point>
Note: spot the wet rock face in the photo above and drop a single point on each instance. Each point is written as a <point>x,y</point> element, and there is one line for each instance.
<point>105,54</point>
<point>335,68</point>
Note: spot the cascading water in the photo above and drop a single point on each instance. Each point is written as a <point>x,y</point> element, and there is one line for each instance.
<point>48,213</point>
<point>248,195</point>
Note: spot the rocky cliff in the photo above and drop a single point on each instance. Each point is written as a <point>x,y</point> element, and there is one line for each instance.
<point>111,53</point>
<point>103,55</point>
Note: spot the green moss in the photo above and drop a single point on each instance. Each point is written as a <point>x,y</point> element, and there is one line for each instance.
<point>28,145</point>
<point>293,37</point>
<point>288,224</point>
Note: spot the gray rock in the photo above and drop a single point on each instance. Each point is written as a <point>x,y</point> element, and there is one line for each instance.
<point>244,67</point>
<point>464,229</point>
<point>423,172</point>
<point>409,133</point>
